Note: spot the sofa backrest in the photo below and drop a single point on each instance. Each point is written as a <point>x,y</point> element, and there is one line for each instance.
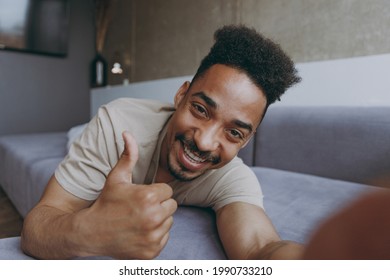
<point>162,90</point>
<point>346,143</point>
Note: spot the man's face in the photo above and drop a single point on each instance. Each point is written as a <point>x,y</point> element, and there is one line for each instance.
<point>214,119</point>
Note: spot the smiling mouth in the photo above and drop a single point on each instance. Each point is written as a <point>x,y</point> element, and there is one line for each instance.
<point>192,156</point>
<point>192,159</point>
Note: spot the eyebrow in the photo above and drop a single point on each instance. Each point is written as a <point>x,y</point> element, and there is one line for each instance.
<point>243,125</point>
<point>206,99</point>
<point>214,105</point>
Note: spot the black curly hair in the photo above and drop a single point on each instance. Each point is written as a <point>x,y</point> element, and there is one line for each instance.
<point>261,59</point>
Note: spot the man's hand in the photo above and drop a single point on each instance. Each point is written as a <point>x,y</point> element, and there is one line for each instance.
<point>128,220</point>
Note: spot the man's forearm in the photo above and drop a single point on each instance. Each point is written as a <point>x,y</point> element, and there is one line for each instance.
<point>47,234</point>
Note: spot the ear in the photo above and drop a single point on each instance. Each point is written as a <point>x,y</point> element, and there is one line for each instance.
<point>181,93</point>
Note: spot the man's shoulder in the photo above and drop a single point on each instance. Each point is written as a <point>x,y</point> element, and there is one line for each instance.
<point>137,115</point>
<point>144,119</point>
<point>138,104</point>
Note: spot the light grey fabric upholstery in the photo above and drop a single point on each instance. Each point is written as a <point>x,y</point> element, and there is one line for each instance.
<point>346,143</point>
<point>10,249</point>
<point>193,236</point>
<point>297,203</point>
<point>26,164</point>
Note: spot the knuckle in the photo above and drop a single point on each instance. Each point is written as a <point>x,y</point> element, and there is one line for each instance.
<point>145,197</point>
<point>150,222</point>
<point>150,197</point>
<point>153,238</point>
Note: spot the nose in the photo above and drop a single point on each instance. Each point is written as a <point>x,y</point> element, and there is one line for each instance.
<point>207,139</point>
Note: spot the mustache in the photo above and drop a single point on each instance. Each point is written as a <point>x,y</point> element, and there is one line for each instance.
<point>209,156</point>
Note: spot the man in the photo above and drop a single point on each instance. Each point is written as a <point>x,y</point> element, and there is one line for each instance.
<point>116,191</point>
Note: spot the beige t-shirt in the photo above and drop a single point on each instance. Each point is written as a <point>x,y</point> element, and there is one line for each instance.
<point>92,156</point>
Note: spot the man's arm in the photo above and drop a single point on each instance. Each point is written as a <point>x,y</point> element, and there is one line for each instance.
<point>246,232</point>
<point>48,229</point>
<point>126,221</point>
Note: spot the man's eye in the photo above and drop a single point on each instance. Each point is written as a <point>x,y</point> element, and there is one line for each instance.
<point>199,109</point>
<point>236,134</point>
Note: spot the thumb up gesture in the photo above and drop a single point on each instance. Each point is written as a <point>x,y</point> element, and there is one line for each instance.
<point>123,170</point>
<point>130,221</point>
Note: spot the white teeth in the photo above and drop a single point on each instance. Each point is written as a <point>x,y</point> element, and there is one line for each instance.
<point>192,156</point>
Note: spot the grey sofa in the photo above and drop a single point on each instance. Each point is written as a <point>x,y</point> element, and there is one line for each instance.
<point>310,161</point>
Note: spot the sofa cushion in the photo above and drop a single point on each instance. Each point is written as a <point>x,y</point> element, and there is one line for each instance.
<point>10,249</point>
<point>29,161</point>
<point>193,236</point>
<point>297,203</point>
<point>346,143</point>
<point>36,181</point>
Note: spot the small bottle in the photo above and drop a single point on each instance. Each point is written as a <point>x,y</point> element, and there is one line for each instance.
<point>99,71</point>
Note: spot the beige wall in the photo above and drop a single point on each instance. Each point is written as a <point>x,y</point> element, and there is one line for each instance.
<point>166,38</point>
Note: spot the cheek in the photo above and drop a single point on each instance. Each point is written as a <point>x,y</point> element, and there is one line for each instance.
<point>229,152</point>
<point>178,127</point>
<point>183,121</point>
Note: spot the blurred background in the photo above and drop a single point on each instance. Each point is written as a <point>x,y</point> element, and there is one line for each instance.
<point>142,40</point>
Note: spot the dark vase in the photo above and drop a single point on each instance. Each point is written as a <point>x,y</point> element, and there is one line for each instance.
<point>99,71</point>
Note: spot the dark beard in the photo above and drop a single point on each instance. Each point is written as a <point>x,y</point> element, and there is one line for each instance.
<point>180,174</point>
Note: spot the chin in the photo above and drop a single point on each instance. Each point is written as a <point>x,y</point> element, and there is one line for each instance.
<point>180,173</point>
<point>185,176</point>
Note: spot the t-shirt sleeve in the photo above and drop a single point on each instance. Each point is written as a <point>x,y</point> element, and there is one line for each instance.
<point>84,170</point>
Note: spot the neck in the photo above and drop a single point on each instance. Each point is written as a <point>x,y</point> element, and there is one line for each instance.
<point>163,176</point>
